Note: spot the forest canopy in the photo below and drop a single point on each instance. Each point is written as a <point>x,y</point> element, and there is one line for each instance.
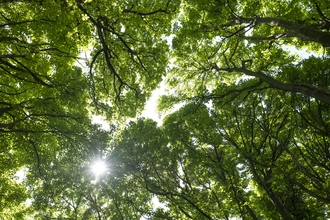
<point>244,128</point>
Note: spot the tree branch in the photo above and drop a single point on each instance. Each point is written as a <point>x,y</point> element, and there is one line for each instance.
<point>320,94</point>
<point>37,155</point>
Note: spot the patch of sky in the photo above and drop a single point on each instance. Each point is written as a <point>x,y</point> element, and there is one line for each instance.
<point>301,53</point>
<point>20,175</point>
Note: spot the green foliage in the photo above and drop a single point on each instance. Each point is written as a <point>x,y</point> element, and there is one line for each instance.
<point>246,125</point>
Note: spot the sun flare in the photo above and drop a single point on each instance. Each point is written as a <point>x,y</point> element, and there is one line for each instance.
<point>99,167</point>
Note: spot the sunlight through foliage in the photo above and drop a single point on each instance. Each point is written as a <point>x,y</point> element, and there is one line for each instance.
<point>164,109</point>
<point>99,167</point>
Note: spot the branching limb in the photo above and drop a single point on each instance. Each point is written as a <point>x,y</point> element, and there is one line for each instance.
<point>37,155</point>
<point>101,29</point>
<point>314,92</point>
<point>323,17</point>
<point>262,39</point>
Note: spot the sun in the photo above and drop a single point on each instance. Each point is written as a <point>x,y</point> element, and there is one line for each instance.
<point>99,167</point>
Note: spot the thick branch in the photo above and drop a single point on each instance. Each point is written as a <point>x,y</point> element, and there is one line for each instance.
<point>37,155</point>
<point>316,93</point>
<point>262,39</point>
<point>323,17</point>
<point>24,69</point>
<point>308,191</point>
<point>264,183</point>
<point>300,31</point>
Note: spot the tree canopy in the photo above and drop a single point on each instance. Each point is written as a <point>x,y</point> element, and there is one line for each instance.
<point>245,129</point>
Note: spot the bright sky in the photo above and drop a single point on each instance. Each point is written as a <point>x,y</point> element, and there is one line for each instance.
<point>150,109</point>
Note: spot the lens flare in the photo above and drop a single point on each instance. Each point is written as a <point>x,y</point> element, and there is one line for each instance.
<point>99,167</point>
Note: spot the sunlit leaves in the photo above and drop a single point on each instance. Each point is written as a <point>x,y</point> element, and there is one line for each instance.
<point>246,135</point>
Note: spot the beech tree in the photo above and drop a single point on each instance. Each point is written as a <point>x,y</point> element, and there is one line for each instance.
<point>245,129</point>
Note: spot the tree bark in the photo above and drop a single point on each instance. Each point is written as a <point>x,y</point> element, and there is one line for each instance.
<point>314,92</point>
<point>264,183</point>
<point>301,31</point>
